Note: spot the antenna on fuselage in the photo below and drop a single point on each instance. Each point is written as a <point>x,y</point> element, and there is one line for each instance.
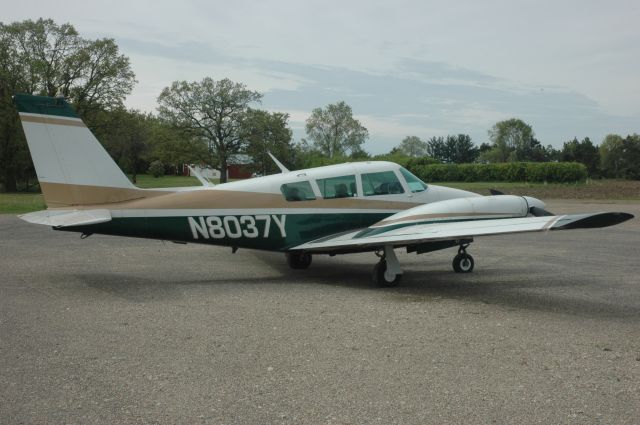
<point>282,168</point>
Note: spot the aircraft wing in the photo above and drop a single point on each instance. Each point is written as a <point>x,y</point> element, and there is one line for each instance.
<point>415,234</point>
<point>67,218</point>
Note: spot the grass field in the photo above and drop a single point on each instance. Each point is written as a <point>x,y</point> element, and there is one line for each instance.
<point>19,203</point>
<point>146,181</point>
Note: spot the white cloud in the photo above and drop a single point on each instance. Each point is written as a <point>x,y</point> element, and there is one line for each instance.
<point>589,49</point>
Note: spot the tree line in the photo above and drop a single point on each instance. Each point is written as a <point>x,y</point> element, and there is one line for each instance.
<point>513,140</point>
<point>210,121</point>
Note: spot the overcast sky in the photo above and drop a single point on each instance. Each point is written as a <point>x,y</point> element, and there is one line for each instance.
<point>424,68</point>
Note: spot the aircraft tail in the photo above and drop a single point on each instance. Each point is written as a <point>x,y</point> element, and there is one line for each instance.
<point>72,166</point>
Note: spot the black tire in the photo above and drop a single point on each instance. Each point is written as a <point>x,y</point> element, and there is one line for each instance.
<point>299,260</point>
<point>463,263</point>
<point>379,277</point>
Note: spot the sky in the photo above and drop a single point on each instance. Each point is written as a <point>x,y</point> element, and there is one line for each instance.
<point>424,68</point>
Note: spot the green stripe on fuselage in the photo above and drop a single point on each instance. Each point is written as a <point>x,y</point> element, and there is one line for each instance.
<point>298,228</point>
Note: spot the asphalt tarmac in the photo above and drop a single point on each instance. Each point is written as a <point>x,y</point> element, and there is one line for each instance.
<point>114,330</point>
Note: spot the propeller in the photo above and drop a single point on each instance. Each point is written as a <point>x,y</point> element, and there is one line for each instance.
<point>495,192</point>
<point>537,207</point>
<point>540,212</point>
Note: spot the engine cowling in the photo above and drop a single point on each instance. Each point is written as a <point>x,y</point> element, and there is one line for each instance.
<point>462,209</point>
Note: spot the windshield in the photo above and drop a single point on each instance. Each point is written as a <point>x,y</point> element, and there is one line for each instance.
<point>414,183</point>
<point>382,183</point>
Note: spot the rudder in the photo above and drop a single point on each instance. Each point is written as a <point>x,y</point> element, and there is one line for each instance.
<point>73,168</point>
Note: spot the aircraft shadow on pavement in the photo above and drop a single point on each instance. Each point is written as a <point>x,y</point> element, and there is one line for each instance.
<point>508,287</point>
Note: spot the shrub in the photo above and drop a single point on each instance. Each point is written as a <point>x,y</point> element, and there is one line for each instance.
<point>156,169</point>
<point>551,172</point>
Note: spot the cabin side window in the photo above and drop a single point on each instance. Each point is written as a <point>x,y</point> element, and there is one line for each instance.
<point>298,191</point>
<point>338,187</point>
<point>414,183</point>
<point>383,183</point>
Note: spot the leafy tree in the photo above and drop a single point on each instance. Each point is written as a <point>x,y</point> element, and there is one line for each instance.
<point>126,134</point>
<point>174,147</point>
<point>552,154</point>
<point>42,57</point>
<point>484,147</point>
<point>512,140</point>
<point>453,149</point>
<point>437,149</point>
<point>412,146</point>
<point>396,155</point>
<point>156,168</point>
<point>213,111</point>
<point>620,158</point>
<point>583,152</point>
<point>612,156</point>
<point>359,154</point>
<point>334,131</point>
<point>268,132</point>
<point>461,149</point>
<point>631,155</point>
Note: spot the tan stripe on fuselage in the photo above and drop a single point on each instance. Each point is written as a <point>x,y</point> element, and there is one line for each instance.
<point>89,197</point>
<point>60,195</point>
<point>51,120</point>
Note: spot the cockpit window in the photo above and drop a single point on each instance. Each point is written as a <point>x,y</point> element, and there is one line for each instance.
<point>338,187</point>
<point>298,191</point>
<point>383,183</point>
<point>414,183</point>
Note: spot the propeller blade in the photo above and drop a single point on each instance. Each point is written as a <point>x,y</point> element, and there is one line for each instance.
<point>495,192</point>
<point>540,212</point>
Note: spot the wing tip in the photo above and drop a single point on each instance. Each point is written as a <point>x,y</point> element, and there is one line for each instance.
<point>597,220</point>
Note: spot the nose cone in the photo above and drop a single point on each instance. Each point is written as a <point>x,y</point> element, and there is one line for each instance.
<point>534,202</point>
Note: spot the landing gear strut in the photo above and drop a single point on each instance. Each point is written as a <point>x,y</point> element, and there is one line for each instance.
<point>299,260</point>
<point>387,272</point>
<point>463,262</point>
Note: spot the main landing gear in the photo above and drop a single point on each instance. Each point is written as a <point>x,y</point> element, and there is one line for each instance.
<point>463,262</point>
<point>387,272</point>
<point>299,260</point>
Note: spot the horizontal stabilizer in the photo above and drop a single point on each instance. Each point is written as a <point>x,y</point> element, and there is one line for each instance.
<point>67,218</point>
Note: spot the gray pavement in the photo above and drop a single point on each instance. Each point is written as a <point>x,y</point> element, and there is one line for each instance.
<point>116,330</point>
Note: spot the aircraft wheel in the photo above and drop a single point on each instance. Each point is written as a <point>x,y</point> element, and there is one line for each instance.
<point>299,260</point>
<point>381,278</point>
<point>463,263</point>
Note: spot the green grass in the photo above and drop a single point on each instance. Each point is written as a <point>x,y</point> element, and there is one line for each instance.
<point>146,181</point>
<point>20,203</point>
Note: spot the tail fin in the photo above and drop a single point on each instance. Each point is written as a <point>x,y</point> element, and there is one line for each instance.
<point>72,166</point>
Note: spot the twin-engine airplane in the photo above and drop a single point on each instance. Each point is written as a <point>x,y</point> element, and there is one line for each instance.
<point>339,209</point>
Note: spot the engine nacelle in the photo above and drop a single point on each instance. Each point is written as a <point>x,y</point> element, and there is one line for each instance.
<point>463,209</point>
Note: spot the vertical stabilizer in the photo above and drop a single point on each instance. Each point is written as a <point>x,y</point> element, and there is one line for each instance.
<point>72,166</point>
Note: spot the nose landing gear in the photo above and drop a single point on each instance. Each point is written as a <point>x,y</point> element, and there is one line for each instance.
<point>463,262</point>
